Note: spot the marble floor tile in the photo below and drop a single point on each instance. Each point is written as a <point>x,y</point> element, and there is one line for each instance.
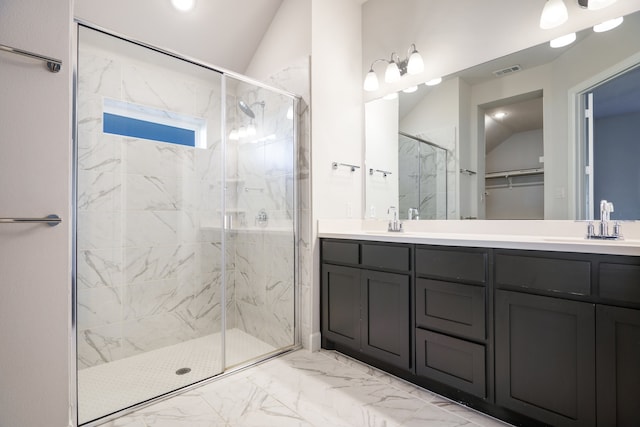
<point>322,389</point>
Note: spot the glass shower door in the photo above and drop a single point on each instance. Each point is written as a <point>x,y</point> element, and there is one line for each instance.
<point>260,222</point>
<point>149,242</point>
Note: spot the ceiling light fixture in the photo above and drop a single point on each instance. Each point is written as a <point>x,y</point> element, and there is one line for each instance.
<point>608,25</point>
<point>554,14</point>
<point>563,41</point>
<point>183,5</point>
<point>396,68</point>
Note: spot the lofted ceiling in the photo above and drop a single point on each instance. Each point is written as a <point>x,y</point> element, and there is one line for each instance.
<point>225,33</point>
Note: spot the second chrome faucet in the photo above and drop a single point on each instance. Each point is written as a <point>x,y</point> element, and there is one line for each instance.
<point>395,225</point>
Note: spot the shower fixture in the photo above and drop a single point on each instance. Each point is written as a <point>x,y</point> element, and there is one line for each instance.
<point>247,108</point>
<point>250,129</point>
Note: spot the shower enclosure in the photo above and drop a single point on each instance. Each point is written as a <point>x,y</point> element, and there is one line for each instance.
<point>185,223</point>
<point>422,181</point>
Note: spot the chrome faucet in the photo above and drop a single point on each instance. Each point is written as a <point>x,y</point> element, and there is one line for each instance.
<point>603,226</point>
<point>413,213</point>
<point>394,224</point>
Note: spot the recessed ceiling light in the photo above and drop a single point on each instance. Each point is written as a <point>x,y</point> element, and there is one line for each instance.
<point>500,115</point>
<point>434,82</point>
<point>563,41</point>
<point>183,5</point>
<point>608,25</point>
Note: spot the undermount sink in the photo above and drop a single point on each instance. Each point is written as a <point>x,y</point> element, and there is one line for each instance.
<point>584,240</point>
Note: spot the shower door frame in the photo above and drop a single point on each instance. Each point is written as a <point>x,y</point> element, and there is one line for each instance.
<point>73,358</point>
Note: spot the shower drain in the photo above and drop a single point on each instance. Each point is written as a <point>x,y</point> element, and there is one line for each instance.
<point>183,371</point>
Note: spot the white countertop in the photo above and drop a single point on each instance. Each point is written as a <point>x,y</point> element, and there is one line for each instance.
<point>562,236</point>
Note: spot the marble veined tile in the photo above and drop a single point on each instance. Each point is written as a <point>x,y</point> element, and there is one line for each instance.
<point>188,410</point>
<point>242,404</point>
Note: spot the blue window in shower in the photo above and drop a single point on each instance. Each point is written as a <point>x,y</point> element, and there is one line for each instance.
<point>138,121</point>
<point>126,126</point>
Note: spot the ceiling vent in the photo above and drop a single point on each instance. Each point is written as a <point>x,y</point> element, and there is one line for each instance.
<point>508,70</point>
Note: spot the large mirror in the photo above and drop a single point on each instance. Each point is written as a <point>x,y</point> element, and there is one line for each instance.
<point>544,133</point>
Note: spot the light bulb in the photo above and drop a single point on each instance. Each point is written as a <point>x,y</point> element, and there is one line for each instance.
<point>416,64</point>
<point>563,41</point>
<point>392,73</point>
<point>371,81</point>
<point>183,5</point>
<point>608,25</point>
<point>554,14</point>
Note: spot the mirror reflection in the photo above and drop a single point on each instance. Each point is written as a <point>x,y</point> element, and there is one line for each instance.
<point>516,135</point>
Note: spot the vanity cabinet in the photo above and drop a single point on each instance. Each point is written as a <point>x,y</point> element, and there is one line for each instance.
<point>567,340</point>
<point>532,337</point>
<point>451,317</point>
<point>618,341</point>
<point>366,295</point>
<point>545,358</point>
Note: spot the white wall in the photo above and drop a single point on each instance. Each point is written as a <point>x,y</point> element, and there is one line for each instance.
<point>287,39</point>
<point>35,180</point>
<point>381,134</point>
<point>337,122</point>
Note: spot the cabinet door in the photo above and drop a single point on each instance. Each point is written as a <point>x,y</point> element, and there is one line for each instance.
<point>341,305</point>
<point>451,361</point>
<point>545,358</point>
<point>385,317</point>
<point>618,365</point>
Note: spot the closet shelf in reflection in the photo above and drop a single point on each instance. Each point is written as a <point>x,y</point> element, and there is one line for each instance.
<point>519,172</point>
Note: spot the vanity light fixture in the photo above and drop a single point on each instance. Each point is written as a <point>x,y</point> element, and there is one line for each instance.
<point>563,41</point>
<point>183,5</point>
<point>608,25</point>
<point>410,89</point>
<point>434,82</point>
<point>554,14</point>
<point>396,68</point>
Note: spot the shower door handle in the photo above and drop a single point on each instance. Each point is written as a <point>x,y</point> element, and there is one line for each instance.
<point>51,220</point>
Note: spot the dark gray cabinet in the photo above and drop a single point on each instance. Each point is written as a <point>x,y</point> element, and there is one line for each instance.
<point>341,305</point>
<point>366,308</point>
<point>531,337</point>
<point>618,365</point>
<point>545,358</point>
<point>451,317</point>
<point>385,299</point>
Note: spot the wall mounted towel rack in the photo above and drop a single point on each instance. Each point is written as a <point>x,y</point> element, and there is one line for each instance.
<point>52,64</point>
<point>51,220</point>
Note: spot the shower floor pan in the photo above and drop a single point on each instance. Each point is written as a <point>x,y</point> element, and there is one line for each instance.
<point>113,386</point>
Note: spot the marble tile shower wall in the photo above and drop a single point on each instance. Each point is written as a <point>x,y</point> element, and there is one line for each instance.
<point>295,78</point>
<point>148,268</point>
<point>264,177</point>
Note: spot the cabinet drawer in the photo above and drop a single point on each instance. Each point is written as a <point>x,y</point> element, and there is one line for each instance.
<point>544,273</point>
<point>340,252</point>
<point>620,282</point>
<point>451,307</point>
<point>386,257</point>
<point>451,361</point>
<point>455,264</point>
